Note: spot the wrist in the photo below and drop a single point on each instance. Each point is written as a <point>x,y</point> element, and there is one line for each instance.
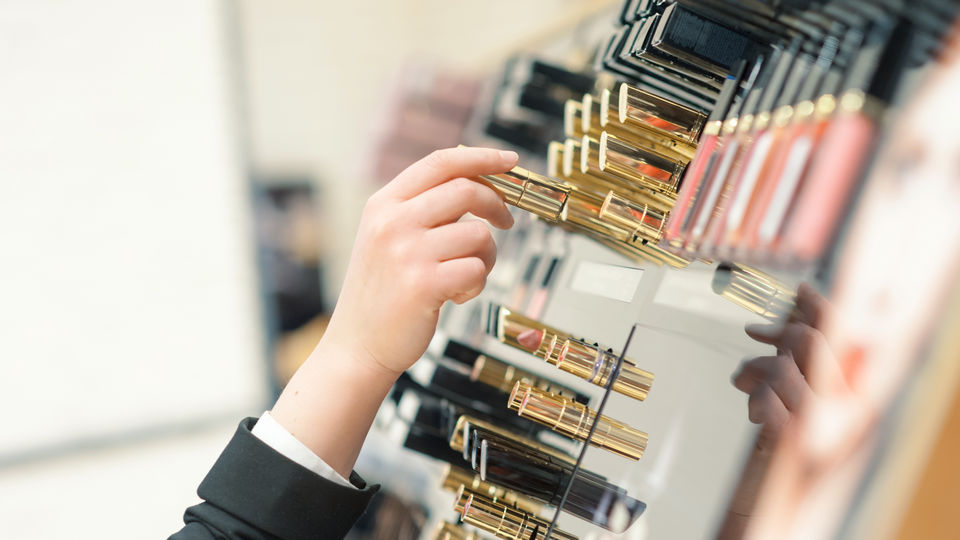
<point>352,359</point>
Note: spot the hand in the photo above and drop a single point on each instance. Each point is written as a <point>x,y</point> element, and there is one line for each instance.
<point>412,254</point>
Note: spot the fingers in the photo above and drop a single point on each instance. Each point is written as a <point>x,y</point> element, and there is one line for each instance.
<point>764,407</point>
<point>780,374</point>
<point>812,306</point>
<point>448,202</point>
<point>463,239</point>
<point>813,356</point>
<point>443,165</point>
<point>461,279</point>
<point>765,333</point>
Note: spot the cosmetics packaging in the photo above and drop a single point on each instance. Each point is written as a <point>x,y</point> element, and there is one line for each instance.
<point>846,145</point>
<point>589,362</point>
<point>649,111</point>
<point>590,498</point>
<point>468,427</point>
<point>502,375</point>
<point>575,420</point>
<point>638,219</point>
<point>455,478</point>
<point>596,365</point>
<point>555,159</point>
<point>573,119</point>
<point>450,531</point>
<point>754,290</point>
<point>658,180</point>
<point>599,184</point>
<point>618,157</point>
<point>709,147</point>
<point>604,117</point>
<point>715,49</point>
<point>530,191</point>
<point>506,522</point>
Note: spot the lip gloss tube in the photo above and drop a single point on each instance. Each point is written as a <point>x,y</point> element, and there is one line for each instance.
<point>575,420</point>
<point>506,522</point>
<point>754,290</point>
<point>449,531</point>
<point>618,157</point>
<point>643,109</point>
<point>460,480</point>
<point>638,219</point>
<point>706,148</point>
<point>595,365</point>
<point>530,191</point>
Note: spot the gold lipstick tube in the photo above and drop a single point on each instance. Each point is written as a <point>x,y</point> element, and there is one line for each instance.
<point>575,420</point>
<point>458,440</point>
<point>602,183</point>
<point>582,215</point>
<point>590,161</point>
<point>645,136</point>
<point>672,259</point>
<point>595,365</point>
<point>555,159</point>
<point>754,290</point>
<point>619,157</point>
<point>449,531</point>
<point>651,111</point>
<point>460,480</point>
<point>530,191</point>
<point>510,325</point>
<point>638,219</point>
<point>503,376</point>
<point>505,522</point>
<point>573,118</point>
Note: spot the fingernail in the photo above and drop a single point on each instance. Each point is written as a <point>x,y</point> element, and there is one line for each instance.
<point>509,156</point>
<point>762,329</point>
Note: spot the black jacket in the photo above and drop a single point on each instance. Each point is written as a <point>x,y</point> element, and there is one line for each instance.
<point>254,492</point>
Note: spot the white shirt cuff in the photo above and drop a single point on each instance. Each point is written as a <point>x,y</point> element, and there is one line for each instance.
<point>277,437</point>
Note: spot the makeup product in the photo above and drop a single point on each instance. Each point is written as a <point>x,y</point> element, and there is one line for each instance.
<point>639,52</point>
<point>754,290</point>
<point>506,522</point>
<point>449,531</point>
<point>468,427</point>
<point>608,119</point>
<point>555,159</point>
<point>649,111</point>
<point>591,498</point>
<point>637,164</point>
<point>538,301</point>
<point>530,191</point>
<point>455,478</point>
<point>599,184</point>
<point>575,420</point>
<point>639,220</point>
<point>658,180</point>
<point>503,375</point>
<point>589,362</point>
<point>706,146</point>
<point>573,119</point>
<point>846,146</point>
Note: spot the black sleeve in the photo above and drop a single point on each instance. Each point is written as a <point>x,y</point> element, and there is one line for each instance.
<point>254,492</point>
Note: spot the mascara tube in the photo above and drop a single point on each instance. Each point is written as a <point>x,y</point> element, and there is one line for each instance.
<point>575,420</point>
<point>468,429</point>
<point>506,522</point>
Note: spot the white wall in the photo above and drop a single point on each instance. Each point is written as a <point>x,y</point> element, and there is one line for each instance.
<point>127,277</point>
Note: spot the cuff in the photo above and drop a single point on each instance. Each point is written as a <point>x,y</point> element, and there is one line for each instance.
<point>277,437</point>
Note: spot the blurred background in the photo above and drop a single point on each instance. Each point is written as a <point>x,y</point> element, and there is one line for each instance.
<point>180,185</point>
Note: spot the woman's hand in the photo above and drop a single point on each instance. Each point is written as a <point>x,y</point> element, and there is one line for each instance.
<point>411,255</point>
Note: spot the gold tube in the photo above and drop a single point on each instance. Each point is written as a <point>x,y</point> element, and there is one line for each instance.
<point>619,157</point>
<point>555,159</point>
<point>590,160</point>
<point>754,290</point>
<point>511,325</point>
<point>638,219</point>
<point>573,118</point>
<point>457,480</point>
<point>651,111</point>
<point>458,439</point>
<point>575,420</point>
<point>503,376</point>
<point>672,259</point>
<point>595,365</point>
<point>450,531</point>
<point>505,522</point>
<point>642,136</point>
<point>601,184</point>
<point>530,191</point>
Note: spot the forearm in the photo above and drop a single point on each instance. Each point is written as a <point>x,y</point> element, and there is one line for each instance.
<point>331,401</point>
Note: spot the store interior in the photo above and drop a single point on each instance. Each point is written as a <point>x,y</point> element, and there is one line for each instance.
<point>728,307</point>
